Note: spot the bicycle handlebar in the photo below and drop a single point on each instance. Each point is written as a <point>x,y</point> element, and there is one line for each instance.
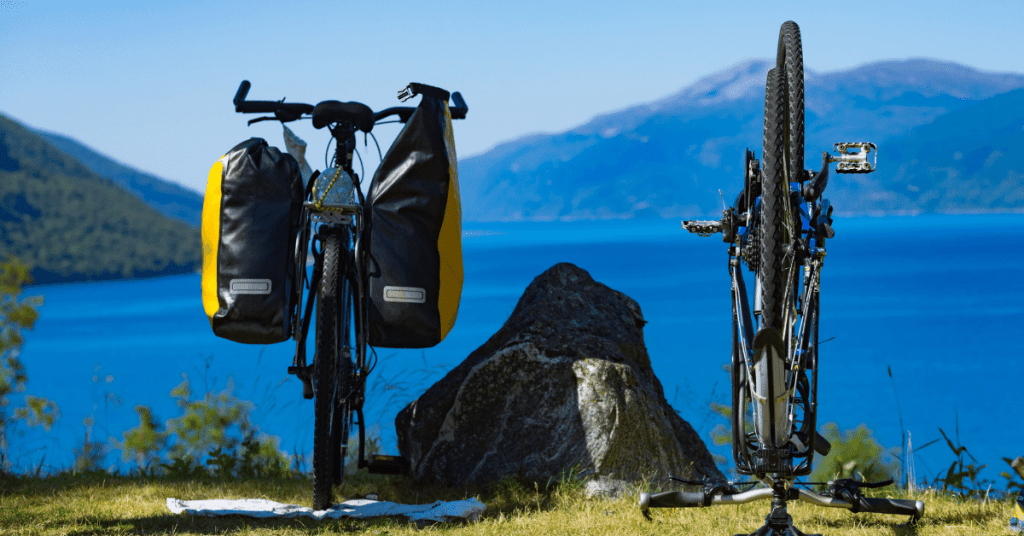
<point>673,499</point>
<point>289,111</point>
<point>259,107</point>
<point>853,502</point>
<point>460,109</point>
<point>403,113</point>
<point>906,507</point>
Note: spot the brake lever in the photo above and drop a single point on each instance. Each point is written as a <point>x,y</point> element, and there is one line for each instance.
<point>281,115</point>
<point>258,119</point>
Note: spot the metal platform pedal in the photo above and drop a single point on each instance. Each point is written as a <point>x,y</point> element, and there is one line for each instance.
<point>302,373</point>
<point>702,227</point>
<point>853,157</point>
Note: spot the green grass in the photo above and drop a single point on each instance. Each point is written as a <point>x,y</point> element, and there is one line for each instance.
<point>103,504</point>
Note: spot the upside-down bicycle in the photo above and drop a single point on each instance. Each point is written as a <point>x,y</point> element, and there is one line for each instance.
<point>333,221</point>
<point>778,227</point>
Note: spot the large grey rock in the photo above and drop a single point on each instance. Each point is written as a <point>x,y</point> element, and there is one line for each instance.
<point>565,386</point>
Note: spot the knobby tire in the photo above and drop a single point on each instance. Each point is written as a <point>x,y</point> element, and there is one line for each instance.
<point>342,418</point>
<point>790,58</point>
<point>769,370</point>
<point>773,192</point>
<point>325,374</point>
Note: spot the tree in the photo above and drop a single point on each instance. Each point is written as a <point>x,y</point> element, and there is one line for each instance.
<point>17,315</point>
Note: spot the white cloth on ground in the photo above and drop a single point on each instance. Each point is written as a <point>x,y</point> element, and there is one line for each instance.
<point>441,511</point>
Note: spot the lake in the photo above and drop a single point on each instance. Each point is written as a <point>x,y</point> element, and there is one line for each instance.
<point>936,298</point>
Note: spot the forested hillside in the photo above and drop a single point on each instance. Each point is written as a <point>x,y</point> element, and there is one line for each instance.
<point>168,198</point>
<point>69,224</point>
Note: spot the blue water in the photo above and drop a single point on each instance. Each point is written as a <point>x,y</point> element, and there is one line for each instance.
<point>938,299</point>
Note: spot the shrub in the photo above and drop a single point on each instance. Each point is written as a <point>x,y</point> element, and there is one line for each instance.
<point>17,315</point>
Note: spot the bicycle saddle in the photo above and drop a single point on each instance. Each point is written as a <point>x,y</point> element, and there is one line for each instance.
<point>331,111</point>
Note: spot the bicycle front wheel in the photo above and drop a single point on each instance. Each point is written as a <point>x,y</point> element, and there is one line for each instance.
<point>325,371</point>
<point>790,58</point>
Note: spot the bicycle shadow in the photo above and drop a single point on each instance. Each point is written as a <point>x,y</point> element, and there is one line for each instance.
<point>865,522</point>
<point>176,523</point>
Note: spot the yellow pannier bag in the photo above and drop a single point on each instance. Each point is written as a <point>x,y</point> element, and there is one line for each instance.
<point>251,218</point>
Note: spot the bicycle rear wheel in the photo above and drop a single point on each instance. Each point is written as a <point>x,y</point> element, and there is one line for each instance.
<point>769,359</point>
<point>342,417</point>
<point>326,373</point>
<point>773,203</point>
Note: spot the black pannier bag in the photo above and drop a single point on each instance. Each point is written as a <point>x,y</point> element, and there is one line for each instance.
<point>414,269</point>
<point>251,217</point>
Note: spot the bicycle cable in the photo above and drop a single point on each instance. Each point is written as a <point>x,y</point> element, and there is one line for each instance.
<point>362,170</point>
<point>369,370</point>
<point>327,151</point>
<point>379,154</point>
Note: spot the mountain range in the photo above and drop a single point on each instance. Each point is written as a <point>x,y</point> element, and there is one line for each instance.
<point>948,138</point>
<point>951,139</point>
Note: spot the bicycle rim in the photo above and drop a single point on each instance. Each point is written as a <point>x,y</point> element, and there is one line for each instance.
<point>325,374</point>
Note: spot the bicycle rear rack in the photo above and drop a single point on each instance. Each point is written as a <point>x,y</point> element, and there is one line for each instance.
<point>333,214</point>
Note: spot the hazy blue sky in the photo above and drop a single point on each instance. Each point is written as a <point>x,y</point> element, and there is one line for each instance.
<point>150,82</point>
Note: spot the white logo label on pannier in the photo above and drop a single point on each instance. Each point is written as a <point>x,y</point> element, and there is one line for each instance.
<point>249,286</point>
<point>405,294</point>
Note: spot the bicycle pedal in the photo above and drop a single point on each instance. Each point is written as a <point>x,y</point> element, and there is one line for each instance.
<point>702,228</point>
<point>302,374</point>
<point>853,157</point>
<point>821,445</point>
<point>387,465</point>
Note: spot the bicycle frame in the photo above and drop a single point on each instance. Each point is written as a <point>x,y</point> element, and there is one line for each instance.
<point>799,342</point>
<point>346,220</point>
